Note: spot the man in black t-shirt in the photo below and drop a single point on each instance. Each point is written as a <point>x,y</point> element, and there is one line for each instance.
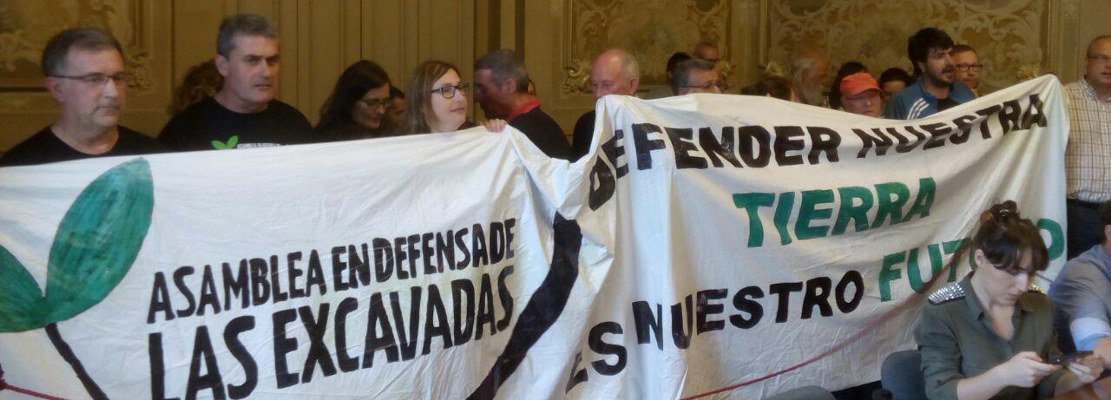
<point>501,89</point>
<point>84,72</point>
<point>244,112</point>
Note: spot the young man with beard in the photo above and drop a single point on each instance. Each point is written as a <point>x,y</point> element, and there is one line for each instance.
<point>85,74</point>
<point>244,112</point>
<point>930,52</point>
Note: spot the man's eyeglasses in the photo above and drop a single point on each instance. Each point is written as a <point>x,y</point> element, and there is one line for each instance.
<point>722,86</point>
<point>970,67</point>
<point>1101,58</point>
<point>448,91</point>
<point>376,103</point>
<point>99,79</point>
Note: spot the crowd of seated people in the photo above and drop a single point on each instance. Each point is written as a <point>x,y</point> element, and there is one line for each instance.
<point>990,335</point>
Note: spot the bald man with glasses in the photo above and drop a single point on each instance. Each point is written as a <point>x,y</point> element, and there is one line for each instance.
<point>85,74</point>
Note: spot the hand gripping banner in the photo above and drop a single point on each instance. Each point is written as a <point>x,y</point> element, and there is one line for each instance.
<point>705,240</point>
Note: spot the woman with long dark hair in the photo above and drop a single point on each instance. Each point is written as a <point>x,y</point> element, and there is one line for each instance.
<point>357,105</point>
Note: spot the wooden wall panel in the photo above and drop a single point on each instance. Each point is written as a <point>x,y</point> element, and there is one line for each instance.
<point>324,40</point>
<point>383,35</point>
<point>352,32</point>
<point>194,42</point>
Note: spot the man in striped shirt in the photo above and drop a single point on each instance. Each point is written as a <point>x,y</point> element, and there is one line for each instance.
<point>930,50</point>
<point>1088,157</point>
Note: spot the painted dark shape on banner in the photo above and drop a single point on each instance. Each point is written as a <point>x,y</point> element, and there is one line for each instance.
<point>542,310</point>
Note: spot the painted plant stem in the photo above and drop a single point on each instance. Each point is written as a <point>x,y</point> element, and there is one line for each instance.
<point>67,354</point>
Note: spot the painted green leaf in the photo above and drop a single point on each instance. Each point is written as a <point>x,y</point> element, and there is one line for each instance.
<point>98,239</point>
<point>21,303</point>
<point>232,142</point>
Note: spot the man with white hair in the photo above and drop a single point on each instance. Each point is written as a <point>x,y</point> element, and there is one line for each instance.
<point>615,72</point>
<point>811,72</point>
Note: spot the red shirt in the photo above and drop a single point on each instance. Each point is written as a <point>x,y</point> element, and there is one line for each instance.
<point>524,108</point>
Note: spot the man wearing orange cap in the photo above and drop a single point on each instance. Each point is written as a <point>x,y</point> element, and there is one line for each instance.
<point>860,94</point>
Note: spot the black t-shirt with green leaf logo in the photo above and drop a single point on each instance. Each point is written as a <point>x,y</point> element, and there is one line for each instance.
<point>208,125</point>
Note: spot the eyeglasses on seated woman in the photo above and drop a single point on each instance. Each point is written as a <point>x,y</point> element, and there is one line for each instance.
<point>357,107</point>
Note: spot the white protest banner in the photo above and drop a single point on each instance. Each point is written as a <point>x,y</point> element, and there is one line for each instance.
<point>705,241</point>
<point>752,234</point>
<point>383,269</point>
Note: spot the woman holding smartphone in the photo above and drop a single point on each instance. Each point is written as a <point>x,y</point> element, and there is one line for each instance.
<point>990,336</point>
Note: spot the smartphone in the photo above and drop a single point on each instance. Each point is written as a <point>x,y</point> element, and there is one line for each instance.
<point>1065,359</point>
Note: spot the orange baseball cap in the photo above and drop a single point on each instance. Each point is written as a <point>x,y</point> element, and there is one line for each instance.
<point>858,83</point>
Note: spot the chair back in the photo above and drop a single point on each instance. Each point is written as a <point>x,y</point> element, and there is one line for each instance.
<point>901,373</point>
<point>804,393</point>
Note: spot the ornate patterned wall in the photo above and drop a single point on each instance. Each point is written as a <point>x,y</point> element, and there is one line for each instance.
<point>652,30</point>
<point>1009,35</point>
<point>25,27</point>
<point>1014,38</point>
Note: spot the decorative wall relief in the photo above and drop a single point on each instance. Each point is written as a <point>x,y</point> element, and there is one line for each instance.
<point>1007,34</point>
<point>652,30</point>
<point>26,26</point>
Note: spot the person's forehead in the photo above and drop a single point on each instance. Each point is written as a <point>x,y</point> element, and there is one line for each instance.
<point>605,70</point>
<point>1102,46</point>
<point>941,50</point>
<point>449,76</point>
<point>94,60</point>
<point>966,55</point>
<point>482,76</point>
<point>381,92</point>
<point>704,74</point>
<point>255,45</point>
<point>864,95</point>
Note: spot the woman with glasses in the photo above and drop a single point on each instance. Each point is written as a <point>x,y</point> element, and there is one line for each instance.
<point>437,101</point>
<point>990,336</point>
<point>358,104</point>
